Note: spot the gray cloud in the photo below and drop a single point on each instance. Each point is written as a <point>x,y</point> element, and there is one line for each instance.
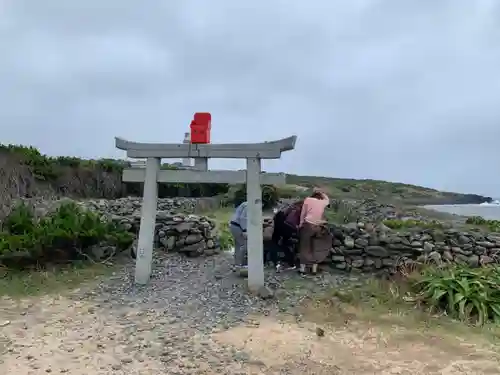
<point>397,90</point>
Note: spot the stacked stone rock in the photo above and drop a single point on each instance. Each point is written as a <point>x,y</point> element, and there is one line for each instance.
<point>366,248</point>
<point>370,210</point>
<point>190,234</point>
<point>371,248</point>
<point>123,206</point>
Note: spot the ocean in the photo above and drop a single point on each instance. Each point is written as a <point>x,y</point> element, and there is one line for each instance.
<point>490,211</point>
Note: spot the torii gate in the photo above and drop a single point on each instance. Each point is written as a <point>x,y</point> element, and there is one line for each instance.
<point>253,177</point>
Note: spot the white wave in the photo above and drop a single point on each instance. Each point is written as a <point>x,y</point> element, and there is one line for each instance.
<point>494,203</point>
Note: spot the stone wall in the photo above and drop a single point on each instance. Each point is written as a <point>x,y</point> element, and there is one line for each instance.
<point>356,247</point>
<point>190,234</point>
<point>373,248</point>
<point>122,206</point>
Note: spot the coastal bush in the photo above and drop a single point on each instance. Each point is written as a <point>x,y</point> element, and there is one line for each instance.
<point>407,224</point>
<point>45,168</point>
<point>287,192</point>
<point>87,177</point>
<point>270,196</point>
<point>492,225</point>
<point>226,240</point>
<point>68,234</point>
<point>471,295</point>
<point>340,212</point>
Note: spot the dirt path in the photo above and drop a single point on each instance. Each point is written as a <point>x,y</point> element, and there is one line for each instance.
<point>195,318</point>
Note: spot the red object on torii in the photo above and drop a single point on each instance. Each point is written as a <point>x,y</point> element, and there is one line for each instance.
<point>200,128</point>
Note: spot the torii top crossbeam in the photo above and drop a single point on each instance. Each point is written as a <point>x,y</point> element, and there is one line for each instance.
<point>263,150</point>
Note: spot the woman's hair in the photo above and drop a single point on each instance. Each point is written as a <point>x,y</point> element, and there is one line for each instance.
<point>317,195</point>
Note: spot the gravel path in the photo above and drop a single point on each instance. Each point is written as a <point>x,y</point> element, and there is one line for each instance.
<point>195,317</point>
<point>167,326</point>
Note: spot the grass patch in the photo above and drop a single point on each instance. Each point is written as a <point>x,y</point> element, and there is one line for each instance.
<point>456,303</point>
<point>18,284</point>
<point>469,295</point>
<point>221,218</point>
<point>223,215</point>
<point>412,224</point>
<point>341,212</point>
<point>382,304</point>
<point>482,223</point>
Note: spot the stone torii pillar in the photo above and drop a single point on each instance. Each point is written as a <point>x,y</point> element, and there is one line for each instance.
<point>253,177</point>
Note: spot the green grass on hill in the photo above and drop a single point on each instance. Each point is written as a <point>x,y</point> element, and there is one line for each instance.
<point>384,190</point>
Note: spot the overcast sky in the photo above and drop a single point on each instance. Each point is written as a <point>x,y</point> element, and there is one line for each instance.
<point>387,89</point>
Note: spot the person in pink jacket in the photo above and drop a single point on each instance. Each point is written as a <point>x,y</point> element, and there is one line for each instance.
<point>311,221</point>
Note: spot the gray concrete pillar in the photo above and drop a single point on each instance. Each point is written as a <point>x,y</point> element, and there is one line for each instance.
<point>254,227</point>
<point>148,221</point>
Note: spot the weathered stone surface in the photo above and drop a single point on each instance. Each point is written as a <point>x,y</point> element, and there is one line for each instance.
<point>374,248</point>
<point>362,245</point>
<point>354,247</point>
<point>376,251</point>
<point>175,231</point>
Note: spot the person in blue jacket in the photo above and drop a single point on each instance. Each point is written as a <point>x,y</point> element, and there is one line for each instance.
<point>238,228</point>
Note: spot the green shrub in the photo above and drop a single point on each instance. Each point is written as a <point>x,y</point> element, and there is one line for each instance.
<point>270,196</point>
<point>49,169</point>
<point>287,192</point>
<point>476,220</point>
<point>40,165</point>
<point>341,213</point>
<point>63,236</point>
<point>46,168</point>
<point>406,224</point>
<point>462,292</point>
<point>226,240</point>
<point>492,225</point>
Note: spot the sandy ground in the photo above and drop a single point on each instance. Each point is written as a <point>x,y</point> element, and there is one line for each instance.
<point>346,351</point>
<point>60,335</point>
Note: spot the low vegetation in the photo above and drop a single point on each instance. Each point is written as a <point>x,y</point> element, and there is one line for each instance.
<point>384,191</point>
<point>64,236</point>
<point>467,294</point>
<point>57,251</point>
<point>226,240</point>
<point>26,172</point>
<point>464,294</point>
<point>409,224</point>
<point>491,225</point>
<point>102,179</point>
<point>51,278</point>
<point>222,218</point>
<point>270,196</point>
<point>341,213</point>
